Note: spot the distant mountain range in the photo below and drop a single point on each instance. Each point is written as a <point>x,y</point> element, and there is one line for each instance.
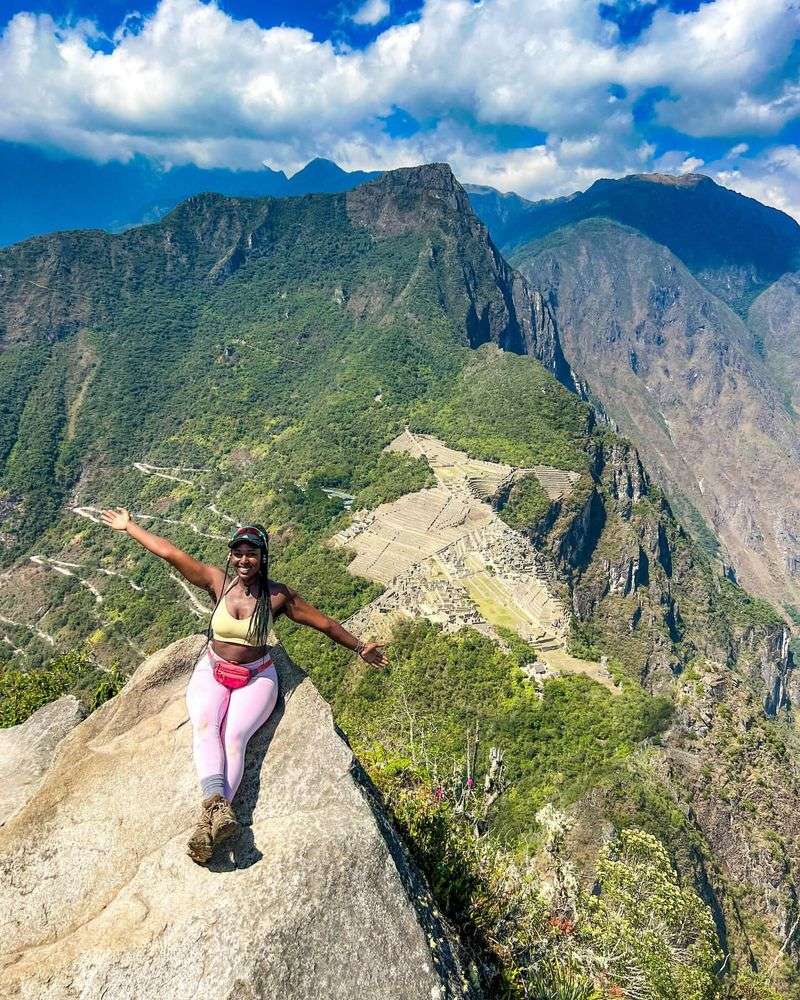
<point>677,303</point>
<point>40,193</point>
<point>732,244</point>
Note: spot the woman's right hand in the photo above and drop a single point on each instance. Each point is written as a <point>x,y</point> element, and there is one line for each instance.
<point>118,519</point>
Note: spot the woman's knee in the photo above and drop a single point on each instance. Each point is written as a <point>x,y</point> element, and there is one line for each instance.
<point>236,737</point>
<point>206,724</point>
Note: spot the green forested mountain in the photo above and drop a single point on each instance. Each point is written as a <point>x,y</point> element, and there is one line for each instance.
<point>239,358</point>
<point>43,191</point>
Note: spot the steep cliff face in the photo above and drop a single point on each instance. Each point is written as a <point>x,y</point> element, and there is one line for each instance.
<point>676,371</point>
<point>638,272</point>
<point>496,302</point>
<point>774,320</point>
<point>317,897</point>
<point>630,564</point>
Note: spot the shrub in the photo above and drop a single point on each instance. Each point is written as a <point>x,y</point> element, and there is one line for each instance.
<point>22,692</point>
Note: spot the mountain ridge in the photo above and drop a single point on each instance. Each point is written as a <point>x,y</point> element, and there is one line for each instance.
<point>245,360</point>
<point>733,244</point>
<point>680,223</point>
<point>40,194</point>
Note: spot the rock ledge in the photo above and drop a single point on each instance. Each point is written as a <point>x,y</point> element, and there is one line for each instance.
<point>316,899</point>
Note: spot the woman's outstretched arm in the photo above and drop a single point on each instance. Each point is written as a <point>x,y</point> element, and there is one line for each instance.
<point>300,611</point>
<point>208,578</point>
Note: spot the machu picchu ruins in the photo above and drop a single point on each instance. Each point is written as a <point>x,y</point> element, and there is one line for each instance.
<point>444,554</point>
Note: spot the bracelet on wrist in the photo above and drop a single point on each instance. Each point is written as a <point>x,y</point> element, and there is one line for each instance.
<point>360,647</point>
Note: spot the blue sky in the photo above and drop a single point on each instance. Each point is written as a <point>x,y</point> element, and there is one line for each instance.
<point>323,20</point>
<point>537,96</point>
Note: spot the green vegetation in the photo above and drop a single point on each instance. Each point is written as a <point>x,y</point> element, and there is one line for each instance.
<point>395,474</point>
<point>638,933</point>
<point>19,367</point>
<point>259,378</point>
<point>527,503</point>
<point>32,463</point>
<point>440,688</point>
<point>335,340</point>
<point>691,518</point>
<point>22,692</point>
<point>742,609</point>
<point>507,408</point>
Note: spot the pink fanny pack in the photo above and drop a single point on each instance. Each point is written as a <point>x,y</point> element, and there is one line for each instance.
<point>236,675</point>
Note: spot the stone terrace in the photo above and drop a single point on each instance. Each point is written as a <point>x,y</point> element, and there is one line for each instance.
<point>444,554</point>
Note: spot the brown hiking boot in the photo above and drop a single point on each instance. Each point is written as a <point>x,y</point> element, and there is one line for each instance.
<point>222,817</point>
<point>201,846</point>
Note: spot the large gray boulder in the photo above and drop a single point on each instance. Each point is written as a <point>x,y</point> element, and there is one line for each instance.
<point>26,751</point>
<point>316,899</point>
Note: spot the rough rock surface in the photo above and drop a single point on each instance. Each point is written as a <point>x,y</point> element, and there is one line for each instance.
<point>316,898</point>
<point>774,318</point>
<point>26,751</point>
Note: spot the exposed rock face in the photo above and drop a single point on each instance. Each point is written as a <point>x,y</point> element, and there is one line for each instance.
<point>500,305</point>
<point>50,301</point>
<point>409,200</point>
<point>635,579</point>
<point>774,319</point>
<point>315,899</point>
<point>27,750</point>
<point>676,371</point>
<point>777,675</point>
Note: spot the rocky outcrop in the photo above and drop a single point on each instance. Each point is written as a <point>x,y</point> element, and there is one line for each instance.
<point>776,671</point>
<point>536,326</point>
<point>316,898</point>
<point>27,751</point>
<point>411,199</point>
<point>618,464</point>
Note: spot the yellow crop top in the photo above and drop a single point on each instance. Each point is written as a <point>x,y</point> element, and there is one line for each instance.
<point>226,628</point>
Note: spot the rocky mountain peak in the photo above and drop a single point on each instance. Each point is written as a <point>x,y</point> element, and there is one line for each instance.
<point>669,180</point>
<point>411,199</point>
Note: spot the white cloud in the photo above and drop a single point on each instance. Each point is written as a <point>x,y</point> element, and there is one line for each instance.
<point>371,12</point>
<point>722,64</point>
<point>549,170</point>
<point>690,165</point>
<point>190,83</point>
<point>773,177</point>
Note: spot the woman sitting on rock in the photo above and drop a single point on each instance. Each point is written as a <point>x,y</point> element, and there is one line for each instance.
<point>234,686</point>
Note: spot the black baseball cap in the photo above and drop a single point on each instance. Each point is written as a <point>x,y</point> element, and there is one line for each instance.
<point>248,533</point>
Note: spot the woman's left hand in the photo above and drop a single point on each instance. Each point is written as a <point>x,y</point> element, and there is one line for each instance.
<point>373,653</point>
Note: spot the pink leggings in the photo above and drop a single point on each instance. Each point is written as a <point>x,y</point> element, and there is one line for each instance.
<point>223,720</point>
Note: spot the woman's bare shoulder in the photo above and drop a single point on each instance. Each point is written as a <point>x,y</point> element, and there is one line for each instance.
<point>280,594</point>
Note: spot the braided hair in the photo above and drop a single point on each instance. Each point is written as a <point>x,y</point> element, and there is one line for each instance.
<point>262,616</point>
